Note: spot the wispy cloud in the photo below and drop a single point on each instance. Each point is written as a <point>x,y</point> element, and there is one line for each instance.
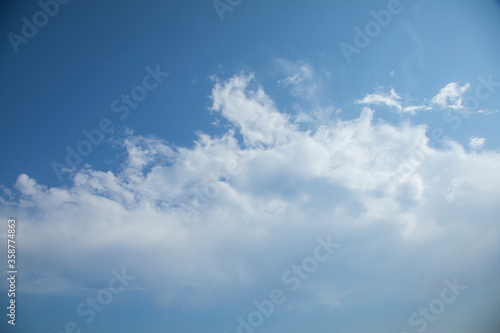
<point>392,100</point>
<point>451,97</point>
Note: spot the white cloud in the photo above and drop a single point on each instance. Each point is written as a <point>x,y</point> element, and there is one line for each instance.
<point>286,187</point>
<point>253,112</point>
<point>476,143</point>
<point>451,96</point>
<point>487,112</point>
<point>414,108</point>
<point>390,100</point>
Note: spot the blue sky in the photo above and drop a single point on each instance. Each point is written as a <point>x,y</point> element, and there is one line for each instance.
<point>252,134</point>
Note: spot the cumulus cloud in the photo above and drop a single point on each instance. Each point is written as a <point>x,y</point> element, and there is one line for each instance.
<point>253,112</point>
<point>213,221</point>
